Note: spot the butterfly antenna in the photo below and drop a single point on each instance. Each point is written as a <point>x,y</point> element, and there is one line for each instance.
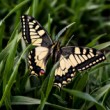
<point>69,40</point>
<point>63,30</point>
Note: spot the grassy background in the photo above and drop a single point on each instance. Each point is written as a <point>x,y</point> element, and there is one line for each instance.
<point>89,90</point>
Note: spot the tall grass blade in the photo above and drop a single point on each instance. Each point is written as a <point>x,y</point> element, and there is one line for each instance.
<point>86,97</point>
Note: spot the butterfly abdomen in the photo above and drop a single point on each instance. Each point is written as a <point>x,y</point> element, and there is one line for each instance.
<point>55,52</point>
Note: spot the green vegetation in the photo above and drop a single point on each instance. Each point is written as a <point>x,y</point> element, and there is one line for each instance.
<point>89,90</point>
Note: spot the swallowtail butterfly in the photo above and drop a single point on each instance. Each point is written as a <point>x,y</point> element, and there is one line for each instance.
<point>71,58</point>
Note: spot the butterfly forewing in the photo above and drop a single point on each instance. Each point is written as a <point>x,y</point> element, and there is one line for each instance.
<point>33,33</point>
<point>74,59</point>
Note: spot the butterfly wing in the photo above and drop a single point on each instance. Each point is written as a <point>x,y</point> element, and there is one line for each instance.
<point>33,33</point>
<point>74,59</point>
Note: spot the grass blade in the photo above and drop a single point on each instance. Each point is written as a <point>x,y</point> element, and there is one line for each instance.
<point>14,10</point>
<point>86,97</point>
<point>63,30</point>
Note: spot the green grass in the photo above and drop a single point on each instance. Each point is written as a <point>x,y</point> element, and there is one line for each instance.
<point>89,89</point>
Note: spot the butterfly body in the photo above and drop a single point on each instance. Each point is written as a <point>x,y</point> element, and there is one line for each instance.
<point>55,51</point>
<point>71,58</point>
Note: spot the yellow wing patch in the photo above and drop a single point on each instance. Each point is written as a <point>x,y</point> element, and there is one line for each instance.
<point>64,73</point>
<point>37,60</point>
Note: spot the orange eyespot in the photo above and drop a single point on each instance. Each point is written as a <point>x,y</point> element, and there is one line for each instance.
<point>42,72</point>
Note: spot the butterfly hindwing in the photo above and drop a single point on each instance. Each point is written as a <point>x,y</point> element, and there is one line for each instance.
<point>74,59</point>
<point>37,60</point>
<point>33,33</point>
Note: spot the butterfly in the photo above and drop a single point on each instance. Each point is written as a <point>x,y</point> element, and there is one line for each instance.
<point>71,58</point>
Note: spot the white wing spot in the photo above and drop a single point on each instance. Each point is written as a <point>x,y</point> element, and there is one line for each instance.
<point>73,69</point>
<point>22,17</point>
<point>33,33</point>
<point>37,27</point>
<point>34,21</point>
<point>31,67</point>
<point>73,74</point>
<point>41,32</point>
<point>83,68</point>
<point>87,66</point>
<point>96,55</point>
<point>31,51</point>
<point>84,51</point>
<point>58,84</point>
<point>24,33</point>
<point>31,23</point>
<point>91,50</point>
<point>97,60</point>
<point>29,56</point>
<point>33,72</point>
<point>103,57</point>
<point>30,26</point>
<point>23,26</point>
<point>100,59</point>
<point>94,62</point>
<point>29,61</point>
<point>69,79</point>
<point>77,50</point>
<point>32,30</point>
<point>64,82</point>
<point>35,37</point>
<point>89,56</point>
